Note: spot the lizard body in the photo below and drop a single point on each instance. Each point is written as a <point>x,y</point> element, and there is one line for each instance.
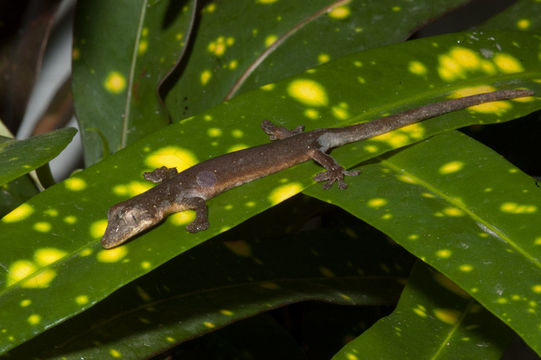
<point>191,188</point>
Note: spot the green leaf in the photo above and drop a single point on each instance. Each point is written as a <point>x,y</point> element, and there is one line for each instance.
<point>450,209</point>
<point>19,157</point>
<point>15,193</point>
<point>520,16</point>
<point>122,51</point>
<point>239,47</point>
<point>452,324</point>
<point>226,280</point>
<point>58,255</point>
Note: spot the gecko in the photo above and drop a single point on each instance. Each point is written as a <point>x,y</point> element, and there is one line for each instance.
<point>191,188</point>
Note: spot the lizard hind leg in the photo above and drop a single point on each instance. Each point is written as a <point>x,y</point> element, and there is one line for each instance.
<point>160,174</point>
<point>334,172</point>
<point>276,132</point>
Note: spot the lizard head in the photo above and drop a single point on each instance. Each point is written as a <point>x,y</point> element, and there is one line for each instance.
<point>127,219</point>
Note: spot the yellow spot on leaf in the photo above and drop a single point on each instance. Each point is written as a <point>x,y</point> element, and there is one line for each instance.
<point>210,7</point>
<point>376,202</point>
<point>514,208</point>
<point>396,8</point>
<point>143,46</point>
<point>34,319</point>
<point>537,240</point>
<point>182,218</point>
<point>75,54</point>
<point>85,252</point>
<point>323,58</point>
<point>326,272</point>
<point>496,107</point>
<point>19,270</point>
<point>420,311</point>
<point>444,253</point>
<point>268,87</point>
<point>81,300</point>
<point>51,212</point>
<point>536,289</point>
<point>266,1</point>
<point>507,64</point>
<point>97,228</point>
<point>233,64</point>
<point>70,219</point>
<point>311,114</point>
<point>75,184</point>
<point>42,226</point>
<point>407,179</point>
<point>209,324</point>
<point>112,255</point>
<point>340,111</point>
<point>350,356</point>
<point>237,147</point>
<point>237,133</point>
<point>205,77</point>
<point>308,92</point>
<point>226,312</point>
<point>131,189</point>
<point>453,211</point>
<point>465,267</point>
<point>214,132</point>
<point>145,265</point>
<point>466,58</point>
<point>417,68</point>
<point>47,256</point>
<point>284,192</point>
<point>239,247</point>
<point>20,213</point>
<point>524,24</point>
<point>40,280</point>
<point>271,39</point>
<point>340,12</point>
<point>451,167</point>
<point>115,82</point>
<point>171,157</point>
<point>25,303</point>
<point>448,316</point>
<point>115,353</point>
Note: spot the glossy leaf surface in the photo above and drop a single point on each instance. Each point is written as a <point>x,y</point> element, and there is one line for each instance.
<point>521,16</point>
<point>238,46</point>
<point>59,230</point>
<point>434,319</point>
<point>225,280</point>
<point>19,157</point>
<point>449,209</point>
<point>15,193</point>
<point>122,51</point>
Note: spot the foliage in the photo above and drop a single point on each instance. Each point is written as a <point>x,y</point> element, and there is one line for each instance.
<point>149,83</point>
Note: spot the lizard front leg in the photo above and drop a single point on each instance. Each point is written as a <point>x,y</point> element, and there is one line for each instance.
<point>201,221</point>
<point>334,171</point>
<point>276,132</point>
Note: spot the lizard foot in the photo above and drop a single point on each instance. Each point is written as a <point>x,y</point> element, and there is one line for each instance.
<point>197,225</point>
<point>279,132</point>
<point>160,174</point>
<point>335,175</point>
